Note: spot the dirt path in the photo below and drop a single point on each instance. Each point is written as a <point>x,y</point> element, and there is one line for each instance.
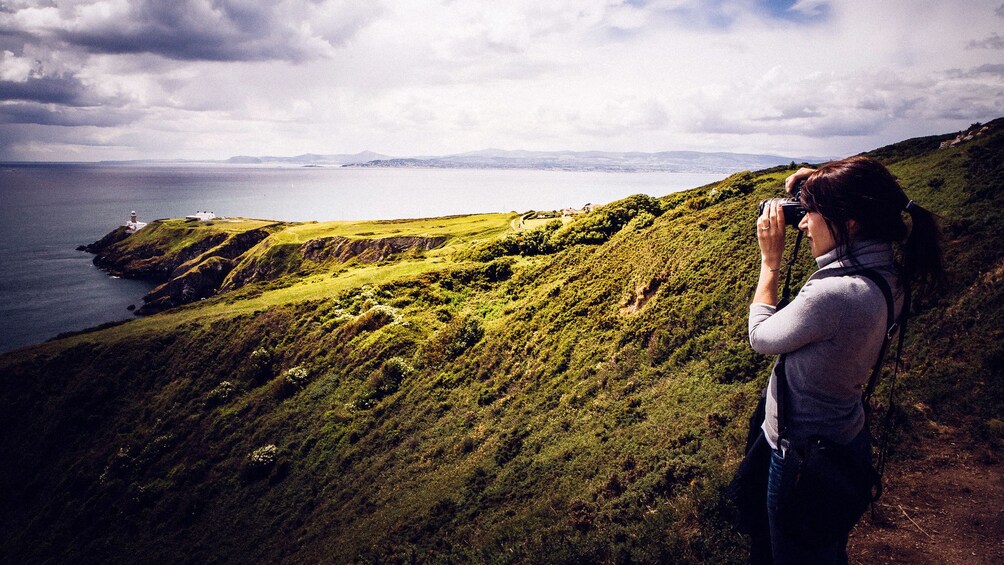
<point>944,507</point>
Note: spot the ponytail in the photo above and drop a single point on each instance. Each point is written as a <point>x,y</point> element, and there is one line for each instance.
<point>922,257</point>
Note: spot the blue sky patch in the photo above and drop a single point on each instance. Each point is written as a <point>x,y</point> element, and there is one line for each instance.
<point>811,12</point>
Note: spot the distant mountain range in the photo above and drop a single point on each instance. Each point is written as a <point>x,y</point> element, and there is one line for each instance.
<point>665,161</point>
<point>310,159</point>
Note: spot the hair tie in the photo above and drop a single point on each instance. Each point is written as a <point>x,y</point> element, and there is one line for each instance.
<point>908,206</point>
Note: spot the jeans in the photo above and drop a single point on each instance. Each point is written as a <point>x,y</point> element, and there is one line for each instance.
<point>787,549</point>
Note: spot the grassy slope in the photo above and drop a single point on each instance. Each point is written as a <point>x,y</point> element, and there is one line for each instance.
<point>175,235</point>
<point>589,403</point>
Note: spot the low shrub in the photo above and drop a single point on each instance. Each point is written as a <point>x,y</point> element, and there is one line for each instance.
<point>260,367</point>
<point>290,382</point>
<point>260,462</point>
<point>388,378</point>
<point>593,228</point>
<point>457,336</point>
<point>601,224</point>
<point>220,394</point>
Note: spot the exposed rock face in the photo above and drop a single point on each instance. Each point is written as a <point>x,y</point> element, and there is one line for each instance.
<point>112,238</point>
<point>974,131</point>
<point>283,259</point>
<point>231,248</point>
<point>343,249</point>
<point>150,261</point>
<point>191,273</point>
<point>272,263</point>
<point>201,281</point>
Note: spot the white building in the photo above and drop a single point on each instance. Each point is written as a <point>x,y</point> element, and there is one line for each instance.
<point>134,225</point>
<point>201,216</point>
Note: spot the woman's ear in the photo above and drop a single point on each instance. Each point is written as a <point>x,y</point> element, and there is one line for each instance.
<point>852,227</point>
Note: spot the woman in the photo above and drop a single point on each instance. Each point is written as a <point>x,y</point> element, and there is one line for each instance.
<point>833,330</point>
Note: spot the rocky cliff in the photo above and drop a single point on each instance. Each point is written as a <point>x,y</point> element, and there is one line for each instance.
<point>194,262</point>
<point>275,260</point>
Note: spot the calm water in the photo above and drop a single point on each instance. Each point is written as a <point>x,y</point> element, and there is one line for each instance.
<point>46,211</point>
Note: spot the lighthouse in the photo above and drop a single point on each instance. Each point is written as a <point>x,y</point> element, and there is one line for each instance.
<point>134,225</point>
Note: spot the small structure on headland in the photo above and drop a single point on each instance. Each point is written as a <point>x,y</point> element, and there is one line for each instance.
<point>201,216</point>
<point>577,211</point>
<point>134,225</point>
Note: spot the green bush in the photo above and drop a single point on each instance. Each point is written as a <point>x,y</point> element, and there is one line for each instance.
<point>537,241</point>
<point>736,185</point>
<point>599,225</point>
<point>372,319</point>
<point>456,337</point>
<point>260,461</point>
<point>641,221</point>
<point>260,366</point>
<point>220,394</point>
<point>290,382</point>
<point>388,378</point>
<point>593,228</point>
<point>468,333</point>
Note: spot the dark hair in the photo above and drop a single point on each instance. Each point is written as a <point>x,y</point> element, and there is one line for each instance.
<point>862,189</point>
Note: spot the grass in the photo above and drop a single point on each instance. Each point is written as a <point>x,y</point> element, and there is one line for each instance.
<point>462,227</point>
<point>572,404</point>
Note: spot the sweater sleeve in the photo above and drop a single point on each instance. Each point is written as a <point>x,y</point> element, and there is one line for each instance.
<point>809,318</point>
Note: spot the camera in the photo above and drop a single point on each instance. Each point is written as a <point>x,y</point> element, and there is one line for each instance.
<point>791,206</point>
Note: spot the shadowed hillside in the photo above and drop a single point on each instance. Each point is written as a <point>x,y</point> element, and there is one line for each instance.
<point>572,393</point>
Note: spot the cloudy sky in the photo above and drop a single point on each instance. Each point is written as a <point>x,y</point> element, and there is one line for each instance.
<point>116,79</point>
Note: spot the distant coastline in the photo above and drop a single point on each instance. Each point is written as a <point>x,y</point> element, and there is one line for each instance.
<point>594,161</point>
<point>580,161</point>
<point>583,161</point>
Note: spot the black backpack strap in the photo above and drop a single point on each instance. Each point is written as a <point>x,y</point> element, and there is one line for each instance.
<point>892,326</point>
<point>895,324</point>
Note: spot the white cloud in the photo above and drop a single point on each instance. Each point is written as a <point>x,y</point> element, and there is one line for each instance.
<point>423,76</point>
<point>14,68</point>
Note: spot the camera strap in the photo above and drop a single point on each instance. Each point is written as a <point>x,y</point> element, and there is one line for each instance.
<point>782,377</point>
<point>786,293</point>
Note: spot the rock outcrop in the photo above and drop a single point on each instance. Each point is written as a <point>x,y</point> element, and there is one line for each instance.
<point>343,249</point>
<point>201,281</point>
<point>973,132</point>
<point>107,241</point>
<point>286,258</point>
<point>190,262</point>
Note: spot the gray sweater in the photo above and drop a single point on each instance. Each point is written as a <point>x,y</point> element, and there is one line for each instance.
<point>832,332</point>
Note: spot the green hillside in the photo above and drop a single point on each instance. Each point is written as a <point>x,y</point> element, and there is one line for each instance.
<point>572,393</point>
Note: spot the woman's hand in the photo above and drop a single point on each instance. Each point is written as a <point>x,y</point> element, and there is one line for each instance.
<point>770,235</point>
<point>800,174</point>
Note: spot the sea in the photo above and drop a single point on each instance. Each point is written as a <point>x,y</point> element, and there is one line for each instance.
<point>47,210</point>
